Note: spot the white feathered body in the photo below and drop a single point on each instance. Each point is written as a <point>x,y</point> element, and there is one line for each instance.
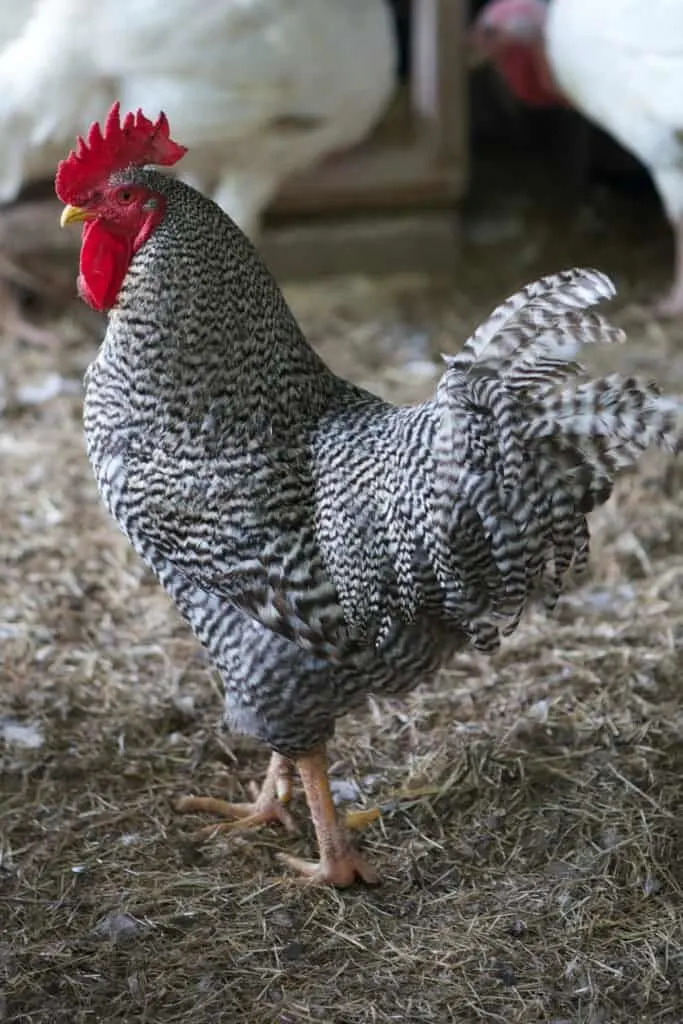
<point>257,89</point>
<point>620,62</point>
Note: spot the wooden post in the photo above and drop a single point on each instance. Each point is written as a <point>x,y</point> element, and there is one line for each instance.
<point>404,181</point>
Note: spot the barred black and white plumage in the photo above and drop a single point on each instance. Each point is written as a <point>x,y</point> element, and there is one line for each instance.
<point>321,543</point>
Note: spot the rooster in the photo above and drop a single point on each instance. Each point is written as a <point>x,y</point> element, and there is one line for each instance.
<point>619,64</point>
<point>322,543</point>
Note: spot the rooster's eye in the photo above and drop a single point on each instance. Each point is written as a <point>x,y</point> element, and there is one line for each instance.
<point>125,196</point>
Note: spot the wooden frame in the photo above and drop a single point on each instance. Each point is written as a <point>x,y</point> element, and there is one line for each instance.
<point>390,203</point>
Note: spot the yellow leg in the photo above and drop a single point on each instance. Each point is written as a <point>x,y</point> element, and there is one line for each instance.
<point>340,863</point>
<point>267,806</point>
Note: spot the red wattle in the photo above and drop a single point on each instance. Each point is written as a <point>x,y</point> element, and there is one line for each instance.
<point>104,261</point>
<point>528,76</point>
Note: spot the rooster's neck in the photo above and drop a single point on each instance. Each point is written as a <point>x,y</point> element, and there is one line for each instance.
<point>201,331</point>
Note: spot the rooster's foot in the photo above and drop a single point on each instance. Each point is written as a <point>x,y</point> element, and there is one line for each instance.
<point>341,870</point>
<point>267,806</point>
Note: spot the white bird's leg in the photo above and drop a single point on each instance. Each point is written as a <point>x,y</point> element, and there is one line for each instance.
<point>244,197</point>
<point>672,304</point>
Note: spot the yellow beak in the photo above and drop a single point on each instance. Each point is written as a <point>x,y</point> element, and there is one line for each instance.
<point>72,214</point>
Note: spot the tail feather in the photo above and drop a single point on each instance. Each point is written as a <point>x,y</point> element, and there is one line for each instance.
<point>614,413</point>
<point>544,323</point>
<point>528,445</point>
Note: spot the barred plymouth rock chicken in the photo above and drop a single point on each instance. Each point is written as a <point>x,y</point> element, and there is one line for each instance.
<point>321,543</point>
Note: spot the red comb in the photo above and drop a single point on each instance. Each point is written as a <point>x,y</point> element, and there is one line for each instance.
<point>134,141</point>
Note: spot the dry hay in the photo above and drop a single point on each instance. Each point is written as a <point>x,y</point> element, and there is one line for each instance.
<point>532,874</point>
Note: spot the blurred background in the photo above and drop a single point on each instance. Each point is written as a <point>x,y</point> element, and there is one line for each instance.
<point>365,139</point>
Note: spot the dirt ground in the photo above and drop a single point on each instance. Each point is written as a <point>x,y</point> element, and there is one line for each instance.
<point>530,842</point>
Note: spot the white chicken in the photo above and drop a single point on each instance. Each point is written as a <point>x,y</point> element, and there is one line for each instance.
<point>619,62</point>
<point>257,89</point>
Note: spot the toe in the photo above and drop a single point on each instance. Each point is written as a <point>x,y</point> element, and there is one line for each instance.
<point>341,872</point>
<point>239,816</point>
<point>204,805</point>
<point>356,820</point>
